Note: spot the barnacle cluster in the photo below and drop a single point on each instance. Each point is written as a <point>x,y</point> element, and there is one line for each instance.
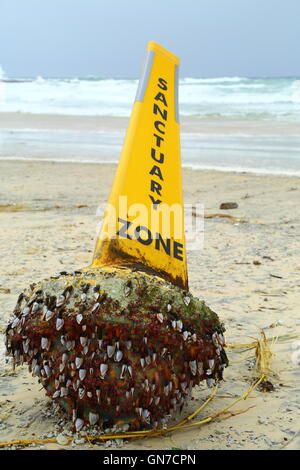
<point>116,346</point>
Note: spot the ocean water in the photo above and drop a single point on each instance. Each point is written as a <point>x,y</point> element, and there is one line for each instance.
<point>218,100</point>
<point>259,98</point>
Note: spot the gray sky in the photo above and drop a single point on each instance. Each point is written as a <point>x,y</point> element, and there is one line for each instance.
<point>107,38</point>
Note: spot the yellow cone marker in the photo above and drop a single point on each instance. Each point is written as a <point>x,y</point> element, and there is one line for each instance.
<point>143,225</point>
<point>131,345</point>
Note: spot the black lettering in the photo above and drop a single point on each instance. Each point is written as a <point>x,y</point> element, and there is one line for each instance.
<point>137,231</point>
<point>161,156</point>
<point>157,110</point>
<point>158,139</point>
<point>156,187</point>
<point>161,97</point>
<point>160,128</point>
<point>155,202</point>
<point>166,246</point>
<point>162,84</point>
<point>156,171</point>
<point>123,229</point>
<point>157,124</point>
<point>178,250</point>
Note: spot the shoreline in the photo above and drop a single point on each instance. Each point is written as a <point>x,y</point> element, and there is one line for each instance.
<point>189,124</point>
<point>257,147</point>
<point>187,166</point>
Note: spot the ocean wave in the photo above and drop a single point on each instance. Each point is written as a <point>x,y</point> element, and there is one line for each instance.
<point>219,96</point>
<point>214,80</point>
<point>2,73</point>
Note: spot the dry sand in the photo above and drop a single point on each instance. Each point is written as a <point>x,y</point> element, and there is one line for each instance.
<point>52,225</point>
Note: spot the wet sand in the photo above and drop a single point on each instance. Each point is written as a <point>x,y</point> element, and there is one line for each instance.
<point>212,126</point>
<point>48,223</point>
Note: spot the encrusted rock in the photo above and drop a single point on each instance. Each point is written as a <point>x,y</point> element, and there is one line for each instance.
<point>109,356</point>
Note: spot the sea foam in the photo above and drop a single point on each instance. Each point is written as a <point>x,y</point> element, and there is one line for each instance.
<point>229,97</point>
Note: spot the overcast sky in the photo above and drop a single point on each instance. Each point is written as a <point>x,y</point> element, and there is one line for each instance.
<point>107,38</point>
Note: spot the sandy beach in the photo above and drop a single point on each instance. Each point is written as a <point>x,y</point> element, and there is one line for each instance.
<point>248,272</point>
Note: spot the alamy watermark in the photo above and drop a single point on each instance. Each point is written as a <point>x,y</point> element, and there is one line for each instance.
<point>160,223</point>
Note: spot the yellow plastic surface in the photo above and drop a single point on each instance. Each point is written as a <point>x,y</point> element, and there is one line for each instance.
<point>148,181</point>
